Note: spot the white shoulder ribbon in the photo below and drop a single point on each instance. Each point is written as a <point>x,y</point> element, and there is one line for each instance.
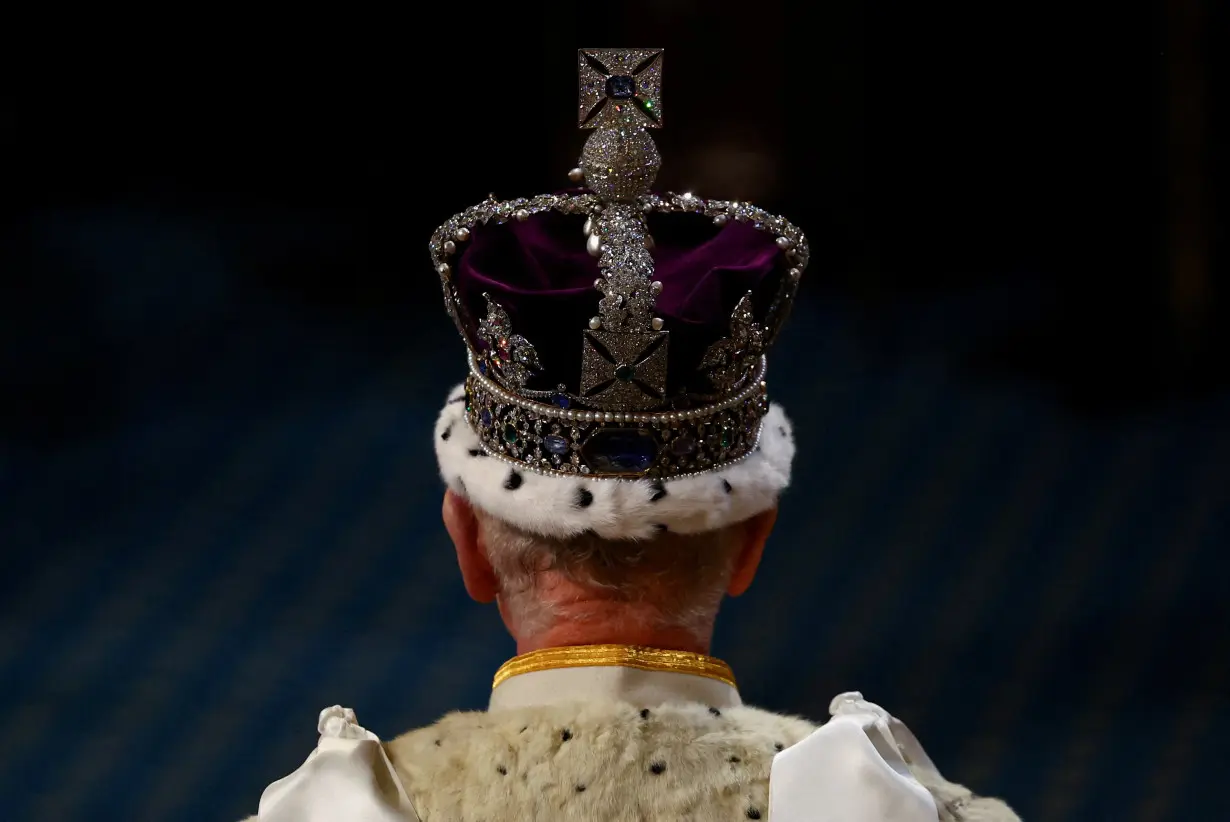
<point>348,778</point>
<point>852,769</point>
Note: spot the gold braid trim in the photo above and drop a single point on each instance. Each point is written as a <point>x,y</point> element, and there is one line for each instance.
<point>627,656</point>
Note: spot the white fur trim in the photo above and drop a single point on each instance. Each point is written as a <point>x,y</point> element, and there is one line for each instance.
<point>619,509</point>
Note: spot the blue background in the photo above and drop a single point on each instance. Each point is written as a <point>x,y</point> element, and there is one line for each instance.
<point>222,350</point>
<point>255,536</point>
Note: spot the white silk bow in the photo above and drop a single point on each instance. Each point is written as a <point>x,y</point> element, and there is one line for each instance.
<point>851,769</point>
<point>348,778</point>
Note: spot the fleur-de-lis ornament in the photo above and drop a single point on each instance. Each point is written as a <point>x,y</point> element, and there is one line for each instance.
<point>728,361</point>
<point>511,359</point>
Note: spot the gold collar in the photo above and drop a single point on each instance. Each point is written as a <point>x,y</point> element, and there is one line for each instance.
<point>626,656</point>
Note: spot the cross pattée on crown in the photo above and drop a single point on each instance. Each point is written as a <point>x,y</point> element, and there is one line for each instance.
<point>619,85</point>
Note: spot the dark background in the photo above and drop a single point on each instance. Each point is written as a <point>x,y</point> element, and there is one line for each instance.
<point>223,348</point>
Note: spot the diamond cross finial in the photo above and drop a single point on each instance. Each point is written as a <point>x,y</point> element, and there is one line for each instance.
<point>618,86</point>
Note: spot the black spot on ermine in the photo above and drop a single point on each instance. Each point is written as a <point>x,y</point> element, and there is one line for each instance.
<point>514,481</point>
<point>715,712</point>
<point>565,735</point>
<point>477,452</point>
<point>727,487</point>
<point>448,432</point>
<point>659,491</point>
<point>584,498</point>
<point>657,768</point>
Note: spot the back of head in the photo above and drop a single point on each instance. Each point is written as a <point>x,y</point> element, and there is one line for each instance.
<point>665,583</point>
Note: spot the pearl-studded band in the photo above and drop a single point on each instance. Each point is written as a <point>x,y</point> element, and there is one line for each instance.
<point>551,440</point>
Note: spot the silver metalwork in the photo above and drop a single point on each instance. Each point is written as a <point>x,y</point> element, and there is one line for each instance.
<point>586,204</point>
<point>510,356</point>
<point>620,163</point>
<point>599,70</point>
<point>552,440</point>
<point>729,361</point>
<point>622,370</point>
<point>622,400</point>
<point>624,358</point>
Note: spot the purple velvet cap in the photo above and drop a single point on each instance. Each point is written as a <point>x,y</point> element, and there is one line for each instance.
<point>541,273</point>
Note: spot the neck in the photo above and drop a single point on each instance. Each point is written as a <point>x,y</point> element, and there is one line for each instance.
<point>600,622</point>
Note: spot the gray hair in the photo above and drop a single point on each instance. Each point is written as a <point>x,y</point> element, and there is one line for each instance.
<point>681,577</point>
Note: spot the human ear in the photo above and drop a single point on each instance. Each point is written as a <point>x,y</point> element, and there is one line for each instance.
<point>753,534</point>
<point>462,527</point>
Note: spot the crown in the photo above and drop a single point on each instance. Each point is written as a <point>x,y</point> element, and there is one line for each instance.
<point>614,332</point>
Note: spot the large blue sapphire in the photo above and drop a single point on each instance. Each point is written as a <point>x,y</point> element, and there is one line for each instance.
<point>621,450</point>
<point>620,87</point>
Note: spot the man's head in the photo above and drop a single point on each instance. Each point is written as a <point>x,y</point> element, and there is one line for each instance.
<point>662,591</point>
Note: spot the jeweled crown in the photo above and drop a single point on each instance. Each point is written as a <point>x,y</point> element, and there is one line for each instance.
<point>667,376</point>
